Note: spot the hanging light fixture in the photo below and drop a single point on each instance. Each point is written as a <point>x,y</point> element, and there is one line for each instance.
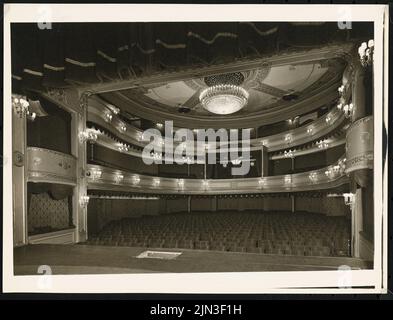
<point>224,94</point>
<point>224,99</point>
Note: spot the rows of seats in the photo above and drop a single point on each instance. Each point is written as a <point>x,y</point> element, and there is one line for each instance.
<point>300,233</point>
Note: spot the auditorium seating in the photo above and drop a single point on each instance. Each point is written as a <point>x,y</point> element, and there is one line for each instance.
<point>284,233</point>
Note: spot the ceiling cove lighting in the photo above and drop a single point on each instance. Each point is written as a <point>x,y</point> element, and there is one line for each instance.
<point>224,98</point>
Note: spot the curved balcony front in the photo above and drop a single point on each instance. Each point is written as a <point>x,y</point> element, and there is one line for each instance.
<point>103,178</point>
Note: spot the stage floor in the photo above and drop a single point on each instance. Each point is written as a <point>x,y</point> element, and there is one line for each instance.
<point>92,259</point>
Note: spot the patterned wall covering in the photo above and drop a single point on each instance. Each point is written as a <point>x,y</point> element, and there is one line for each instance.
<point>101,211</point>
<point>46,214</point>
<point>334,206</point>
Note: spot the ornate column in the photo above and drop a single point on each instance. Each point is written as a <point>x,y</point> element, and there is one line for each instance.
<point>360,148</point>
<point>80,192</point>
<point>20,109</point>
<point>75,102</point>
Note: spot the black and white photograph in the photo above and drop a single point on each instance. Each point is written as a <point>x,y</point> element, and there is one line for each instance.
<point>236,154</point>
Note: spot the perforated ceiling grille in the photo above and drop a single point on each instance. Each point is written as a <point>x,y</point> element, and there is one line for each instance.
<point>235,78</point>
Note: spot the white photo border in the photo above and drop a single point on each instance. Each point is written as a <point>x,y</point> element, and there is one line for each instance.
<point>363,281</point>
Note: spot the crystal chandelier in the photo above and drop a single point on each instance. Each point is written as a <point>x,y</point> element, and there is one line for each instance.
<point>224,98</point>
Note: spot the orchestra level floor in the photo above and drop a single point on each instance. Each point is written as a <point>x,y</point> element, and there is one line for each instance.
<point>93,259</point>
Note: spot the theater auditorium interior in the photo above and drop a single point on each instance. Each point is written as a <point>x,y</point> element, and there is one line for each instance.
<point>93,194</point>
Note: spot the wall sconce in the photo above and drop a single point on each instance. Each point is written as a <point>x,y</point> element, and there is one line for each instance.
<point>159,125</point>
<point>289,154</point>
<point>122,147</point>
<point>118,178</point>
<point>108,116</point>
<point>205,184</point>
<point>261,182</point>
<point>122,127</point>
<point>88,135</point>
<point>328,119</point>
<point>313,176</point>
<point>30,115</point>
<point>323,144</point>
<point>135,180</point>
<point>366,53</point>
<point>336,168</point>
<point>95,174</point>
<point>330,173</point>
<point>341,90</point>
<point>288,138</point>
<point>113,108</point>
<point>83,201</point>
<point>288,179</point>
<point>347,109</point>
<point>341,164</point>
<point>310,130</point>
<point>156,182</point>
<point>21,108</point>
<point>349,199</point>
<point>180,183</point>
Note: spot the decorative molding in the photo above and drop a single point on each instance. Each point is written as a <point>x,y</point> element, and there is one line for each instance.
<point>364,161</point>
<point>18,159</point>
<point>109,180</point>
<point>342,50</point>
<point>51,152</point>
<point>361,122</point>
<point>320,127</point>
<point>84,100</point>
<point>325,93</point>
<point>58,94</point>
<point>331,143</point>
<point>50,166</point>
<point>360,145</point>
<point>66,236</point>
<point>45,177</point>
<point>67,99</point>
